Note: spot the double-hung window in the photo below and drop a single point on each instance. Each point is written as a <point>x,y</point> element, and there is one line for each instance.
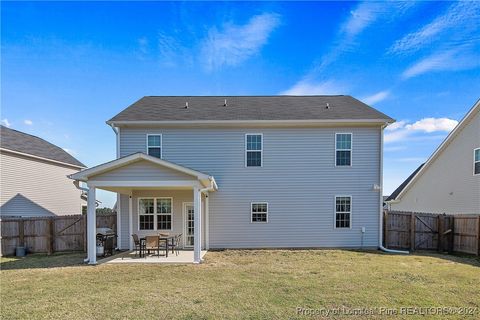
<point>154,145</point>
<point>343,211</point>
<point>155,214</point>
<point>476,161</point>
<point>253,150</point>
<point>146,214</point>
<point>343,149</point>
<point>259,212</point>
<point>164,214</point>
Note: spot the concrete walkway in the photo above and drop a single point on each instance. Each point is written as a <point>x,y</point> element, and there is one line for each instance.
<point>129,257</point>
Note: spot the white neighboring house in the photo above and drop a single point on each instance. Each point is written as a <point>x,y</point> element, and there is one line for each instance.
<point>34,177</point>
<point>449,182</point>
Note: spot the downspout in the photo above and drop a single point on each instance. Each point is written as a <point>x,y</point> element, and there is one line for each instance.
<point>380,231</point>
<point>76,183</point>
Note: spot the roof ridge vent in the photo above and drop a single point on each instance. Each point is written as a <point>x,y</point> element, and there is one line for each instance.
<point>186,105</point>
<point>225,103</point>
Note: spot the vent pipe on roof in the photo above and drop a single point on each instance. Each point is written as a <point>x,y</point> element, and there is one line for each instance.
<point>186,105</point>
<point>225,103</point>
<point>327,106</point>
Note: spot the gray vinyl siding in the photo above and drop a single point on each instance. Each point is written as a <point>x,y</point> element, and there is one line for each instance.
<point>33,187</point>
<point>142,171</point>
<point>298,179</point>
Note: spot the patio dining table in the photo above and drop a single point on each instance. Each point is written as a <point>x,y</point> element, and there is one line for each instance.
<point>161,238</point>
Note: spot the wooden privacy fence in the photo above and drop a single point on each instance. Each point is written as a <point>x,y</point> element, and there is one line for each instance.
<point>427,231</point>
<point>49,234</point>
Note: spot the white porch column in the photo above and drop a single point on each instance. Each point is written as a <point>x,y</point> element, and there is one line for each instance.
<point>197,232</point>
<point>91,226</point>
<point>207,222</point>
<point>130,222</point>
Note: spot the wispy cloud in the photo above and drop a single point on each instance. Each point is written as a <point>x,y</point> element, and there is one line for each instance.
<point>459,21</point>
<point>306,87</point>
<point>402,129</point>
<point>169,49</point>
<point>28,122</point>
<point>376,97</point>
<point>451,60</point>
<point>5,122</point>
<point>233,44</point>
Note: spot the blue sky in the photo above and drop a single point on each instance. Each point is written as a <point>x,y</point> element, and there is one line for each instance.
<point>67,67</point>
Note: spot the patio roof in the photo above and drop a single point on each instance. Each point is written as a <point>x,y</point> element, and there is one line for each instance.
<point>111,175</point>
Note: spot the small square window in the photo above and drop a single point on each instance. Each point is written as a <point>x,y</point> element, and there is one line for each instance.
<point>259,212</point>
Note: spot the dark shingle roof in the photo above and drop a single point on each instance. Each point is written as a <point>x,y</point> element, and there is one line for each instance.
<point>400,188</point>
<point>204,108</point>
<point>22,142</point>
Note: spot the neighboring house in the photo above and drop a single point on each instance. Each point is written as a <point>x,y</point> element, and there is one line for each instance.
<point>34,178</point>
<point>246,172</point>
<point>449,182</point>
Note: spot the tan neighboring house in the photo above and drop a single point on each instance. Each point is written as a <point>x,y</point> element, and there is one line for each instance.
<point>33,175</point>
<point>449,182</point>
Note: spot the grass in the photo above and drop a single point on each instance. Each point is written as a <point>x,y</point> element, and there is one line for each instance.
<point>236,284</point>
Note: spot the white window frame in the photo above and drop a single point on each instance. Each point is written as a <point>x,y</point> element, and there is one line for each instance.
<point>251,211</point>
<point>144,214</point>
<point>351,149</point>
<point>155,214</point>
<point>335,211</point>
<point>261,150</point>
<point>161,143</point>
<point>474,162</point>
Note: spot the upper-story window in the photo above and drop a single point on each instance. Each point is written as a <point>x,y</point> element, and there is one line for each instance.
<point>253,150</point>
<point>343,149</point>
<point>476,161</point>
<point>154,145</point>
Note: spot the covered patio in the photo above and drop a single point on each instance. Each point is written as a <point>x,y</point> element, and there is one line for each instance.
<point>154,197</point>
<point>184,256</point>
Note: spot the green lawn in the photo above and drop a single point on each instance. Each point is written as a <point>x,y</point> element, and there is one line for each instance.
<point>236,284</point>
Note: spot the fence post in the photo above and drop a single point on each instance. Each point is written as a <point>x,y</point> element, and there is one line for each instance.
<point>385,229</point>
<point>412,231</point>
<point>21,233</point>
<point>51,236</point>
<point>440,227</point>
<point>84,233</point>
<point>478,235</point>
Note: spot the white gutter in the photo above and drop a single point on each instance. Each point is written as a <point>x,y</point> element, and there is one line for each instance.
<point>380,231</point>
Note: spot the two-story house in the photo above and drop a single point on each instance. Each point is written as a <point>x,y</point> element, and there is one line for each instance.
<point>33,177</point>
<point>246,172</point>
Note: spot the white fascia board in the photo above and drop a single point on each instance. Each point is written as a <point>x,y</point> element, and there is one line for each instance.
<point>108,166</point>
<point>443,145</point>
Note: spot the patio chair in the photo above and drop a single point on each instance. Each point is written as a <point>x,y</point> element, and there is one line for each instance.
<point>152,243</point>
<point>137,243</point>
<point>175,246</point>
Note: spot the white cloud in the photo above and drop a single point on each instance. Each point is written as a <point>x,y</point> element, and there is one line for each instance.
<point>28,122</point>
<point>396,125</point>
<point>234,44</point>
<point>459,21</point>
<point>433,125</point>
<point>6,123</point>
<point>451,60</point>
<point>402,129</point>
<point>305,87</point>
<point>377,97</point>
